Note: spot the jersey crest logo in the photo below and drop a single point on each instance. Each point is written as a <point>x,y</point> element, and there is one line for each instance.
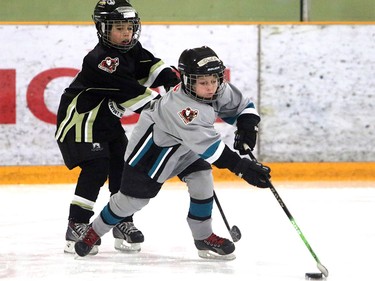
<point>109,64</point>
<point>187,115</point>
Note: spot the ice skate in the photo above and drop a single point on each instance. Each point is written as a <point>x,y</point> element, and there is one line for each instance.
<point>86,242</point>
<point>215,247</point>
<point>128,238</point>
<point>73,233</point>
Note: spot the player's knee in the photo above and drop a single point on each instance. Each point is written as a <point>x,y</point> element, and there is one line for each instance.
<point>200,184</point>
<point>95,170</point>
<point>124,205</point>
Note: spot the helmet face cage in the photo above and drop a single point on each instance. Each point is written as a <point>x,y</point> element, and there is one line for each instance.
<point>109,13</point>
<point>201,62</point>
<point>189,82</point>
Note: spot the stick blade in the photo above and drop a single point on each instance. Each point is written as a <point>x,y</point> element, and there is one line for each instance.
<point>322,269</point>
<point>235,233</point>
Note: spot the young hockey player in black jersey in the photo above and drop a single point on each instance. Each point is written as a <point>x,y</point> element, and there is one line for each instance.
<point>176,133</point>
<point>117,74</point>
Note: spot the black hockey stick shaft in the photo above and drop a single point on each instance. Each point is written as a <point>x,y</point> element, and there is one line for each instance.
<point>221,211</point>
<point>233,231</point>
<point>321,267</point>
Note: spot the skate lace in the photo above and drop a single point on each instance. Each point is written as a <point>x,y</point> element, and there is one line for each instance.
<point>127,227</point>
<point>80,228</point>
<point>215,240</point>
<point>90,237</point>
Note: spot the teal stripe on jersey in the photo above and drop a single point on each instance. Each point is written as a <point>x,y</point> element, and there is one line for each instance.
<point>157,162</point>
<point>142,153</point>
<point>233,119</point>
<point>211,150</point>
<point>230,120</point>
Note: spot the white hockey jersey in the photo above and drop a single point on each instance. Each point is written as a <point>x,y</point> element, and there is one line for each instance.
<point>176,130</point>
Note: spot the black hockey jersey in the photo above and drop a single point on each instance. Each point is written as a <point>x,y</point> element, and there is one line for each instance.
<point>109,81</point>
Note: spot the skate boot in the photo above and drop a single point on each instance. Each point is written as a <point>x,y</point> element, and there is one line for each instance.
<point>215,247</point>
<point>86,242</point>
<point>74,231</point>
<point>128,238</point>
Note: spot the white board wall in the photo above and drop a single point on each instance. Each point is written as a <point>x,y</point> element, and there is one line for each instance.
<point>313,84</point>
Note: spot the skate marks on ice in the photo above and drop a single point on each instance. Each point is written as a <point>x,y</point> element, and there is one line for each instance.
<point>337,222</point>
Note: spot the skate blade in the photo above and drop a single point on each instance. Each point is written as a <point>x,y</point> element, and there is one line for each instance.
<point>207,254</point>
<point>123,246</point>
<point>69,249</point>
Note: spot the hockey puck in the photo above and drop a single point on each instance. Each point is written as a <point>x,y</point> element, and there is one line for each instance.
<point>315,276</point>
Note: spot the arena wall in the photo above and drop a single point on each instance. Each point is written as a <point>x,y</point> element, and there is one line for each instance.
<point>313,85</point>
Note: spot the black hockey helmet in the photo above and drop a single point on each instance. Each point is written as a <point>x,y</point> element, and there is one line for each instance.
<point>198,62</point>
<point>108,12</point>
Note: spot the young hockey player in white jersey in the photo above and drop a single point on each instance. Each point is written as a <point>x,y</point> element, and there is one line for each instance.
<point>176,134</point>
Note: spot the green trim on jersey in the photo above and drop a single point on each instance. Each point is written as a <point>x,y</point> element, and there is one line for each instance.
<point>75,119</point>
<point>145,96</point>
<point>154,67</point>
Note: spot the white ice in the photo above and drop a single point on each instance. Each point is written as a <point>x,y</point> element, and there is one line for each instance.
<point>337,220</point>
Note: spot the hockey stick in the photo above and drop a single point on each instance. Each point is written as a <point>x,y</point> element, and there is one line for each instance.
<point>234,232</point>
<point>321,267</point>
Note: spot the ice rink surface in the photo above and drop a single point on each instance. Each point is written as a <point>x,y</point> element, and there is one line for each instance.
<point>336,218</point>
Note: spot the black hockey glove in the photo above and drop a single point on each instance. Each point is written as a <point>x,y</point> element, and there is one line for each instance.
<point>253,172</point>
<point>246,133</point>
<point>248,137</point>
<point>172,79</point>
